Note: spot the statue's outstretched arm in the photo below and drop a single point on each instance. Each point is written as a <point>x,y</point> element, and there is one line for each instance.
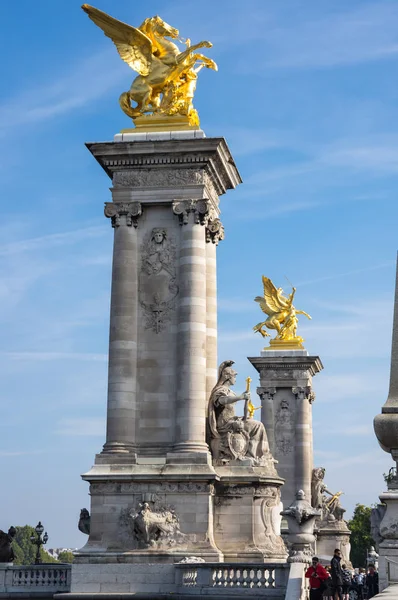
<point>224,400</point>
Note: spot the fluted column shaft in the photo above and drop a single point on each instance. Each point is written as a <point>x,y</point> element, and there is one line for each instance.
<point>121,412</point>
<point>211,318</point>
<point>303,462</point>
<point>191,394</point>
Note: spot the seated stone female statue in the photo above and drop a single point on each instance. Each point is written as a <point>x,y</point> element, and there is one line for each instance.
<point>225,426</point>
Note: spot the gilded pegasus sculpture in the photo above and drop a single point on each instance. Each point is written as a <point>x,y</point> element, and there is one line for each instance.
<point>281,316</point>
<point>167,77</point>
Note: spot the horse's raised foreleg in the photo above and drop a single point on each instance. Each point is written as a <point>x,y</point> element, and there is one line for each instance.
<point>186,53</point>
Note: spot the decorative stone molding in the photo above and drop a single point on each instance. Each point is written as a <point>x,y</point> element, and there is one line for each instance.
<point>148,488</point>
<point>199,208</point>
<point>132,210</point>
<point>266,393</point>
<point>214,231</point>
<point>304,393</point>
<point>167,177</point>
<point>257,491</point>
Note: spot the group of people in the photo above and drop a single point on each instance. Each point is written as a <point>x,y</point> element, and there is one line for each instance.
<point>335,582</point>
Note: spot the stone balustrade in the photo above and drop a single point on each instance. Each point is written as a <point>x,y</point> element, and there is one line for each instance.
<point>268,580</point>
<point>38,580</point>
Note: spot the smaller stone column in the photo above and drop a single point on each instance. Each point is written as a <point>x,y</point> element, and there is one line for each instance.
<point>192,334</point>
<point>214,233</point>
<point>303,437</point>
<point>121,412</point>
<point>267,414</point>
<point>286,400</point>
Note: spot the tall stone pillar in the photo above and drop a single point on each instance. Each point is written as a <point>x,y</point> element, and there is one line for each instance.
<point>162,354</point>
<point>121,411</point>
<point>386,430</point>
<point>286,399</point>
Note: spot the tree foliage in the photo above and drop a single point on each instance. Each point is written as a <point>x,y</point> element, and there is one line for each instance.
<point>361,539</point>
<point>24,550</point>
<point>65,556</point>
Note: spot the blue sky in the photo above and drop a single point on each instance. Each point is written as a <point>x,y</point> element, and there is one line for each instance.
<point>306,96</point>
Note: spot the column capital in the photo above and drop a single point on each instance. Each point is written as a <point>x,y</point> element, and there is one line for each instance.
<point>304,393</point>
<point>214,231</point>
<point>200,208</point>
<point>266,392</point>
<point>131,210</point>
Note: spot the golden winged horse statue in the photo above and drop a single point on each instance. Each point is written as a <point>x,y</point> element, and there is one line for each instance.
<point>281,315</point>
<point>166,80</point>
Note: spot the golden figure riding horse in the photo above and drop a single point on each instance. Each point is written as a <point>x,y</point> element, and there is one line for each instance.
<point>166,79</point>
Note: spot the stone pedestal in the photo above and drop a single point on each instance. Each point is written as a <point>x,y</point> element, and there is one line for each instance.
<point>333,535</point>
<point>247,515</point>
<point>286,400</point>
<point>388,547</point>
<point>152,486</point>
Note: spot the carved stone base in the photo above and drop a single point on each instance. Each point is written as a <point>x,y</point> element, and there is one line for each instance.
<point>144,513</point>
<point>247,515</point>
<point>332,536</point>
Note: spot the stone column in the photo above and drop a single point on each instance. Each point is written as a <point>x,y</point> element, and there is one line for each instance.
<point>287,414</point>
<point>192,331</point>
<point>123,329</point>
<point>303,453</point>
<point>214,233</point>
<point>267,414</point>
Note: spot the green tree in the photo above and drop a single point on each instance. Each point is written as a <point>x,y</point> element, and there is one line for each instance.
<point>24,550</point>
<point>65,556</point>
<point>361,540</point>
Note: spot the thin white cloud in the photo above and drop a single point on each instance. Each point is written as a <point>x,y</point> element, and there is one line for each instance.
<point>49,356</point>
<point>11,454</point>
<point>67,92</point>
<point>383,265</point>
<point>347,37</point>
<point>52,239</point>
<point>90,426</point>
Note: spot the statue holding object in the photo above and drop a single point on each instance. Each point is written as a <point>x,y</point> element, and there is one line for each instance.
<point>234,438</point>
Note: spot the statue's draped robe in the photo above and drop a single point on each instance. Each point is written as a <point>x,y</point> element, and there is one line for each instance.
<point>222,420</point>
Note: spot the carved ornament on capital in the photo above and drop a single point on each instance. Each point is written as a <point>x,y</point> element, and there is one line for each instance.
<point>199,208</point>
<point>214,231</point>
<point>304,393</point>
<point>131,210</point>
<point>266,393</point>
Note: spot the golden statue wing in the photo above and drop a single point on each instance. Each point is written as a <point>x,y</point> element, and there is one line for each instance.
<point>134,47</point>
<point>271,296</point>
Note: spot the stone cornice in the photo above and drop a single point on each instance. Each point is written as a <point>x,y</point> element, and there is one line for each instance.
<point>210,155</point>
<point>312,364</point>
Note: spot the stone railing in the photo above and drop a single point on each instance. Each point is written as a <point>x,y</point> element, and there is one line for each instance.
<point>40,580</point>
<point>232,579</point>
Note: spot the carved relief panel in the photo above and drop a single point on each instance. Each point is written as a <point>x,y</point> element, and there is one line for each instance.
<point>284,425</point>
<point>158,279</point>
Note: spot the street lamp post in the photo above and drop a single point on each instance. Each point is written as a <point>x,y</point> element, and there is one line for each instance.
<point>39,541</point>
